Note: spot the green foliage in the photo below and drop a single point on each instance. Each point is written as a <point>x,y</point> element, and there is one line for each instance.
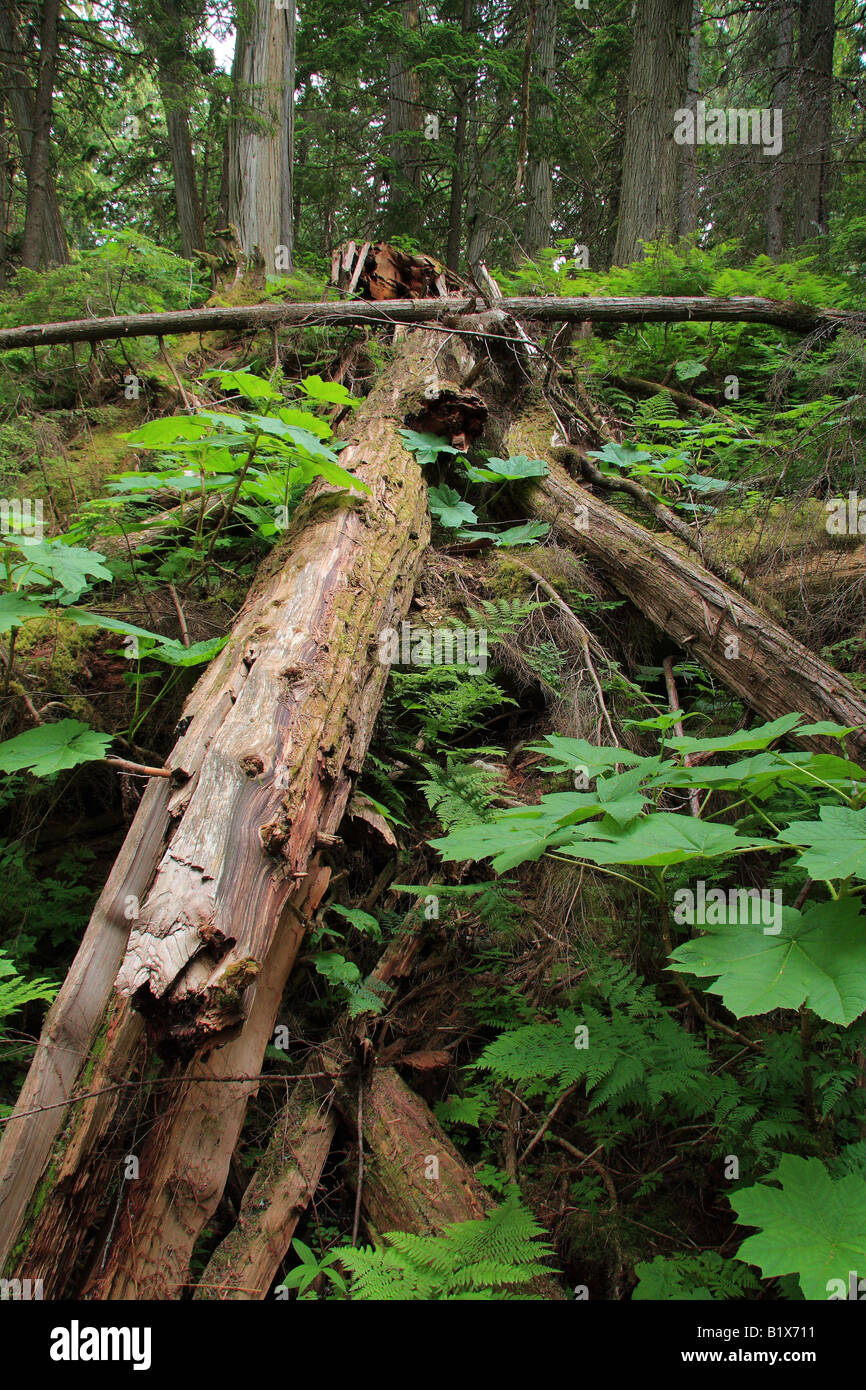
<point>346,980</point>
<point>445,699</point>
<point>15,991</point>
<point>810,1225</point>
<point>478,1260</point>
<point>311,1267</point>
<point>692,1277</point>
<point>461,793</point>
<point>49,748</point>
<point>628,1052</point>
<point>818,959</point>
<point>448,508</point>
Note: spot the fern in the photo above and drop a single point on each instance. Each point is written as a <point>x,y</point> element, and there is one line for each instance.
<point>693,1277</point>
<point>461,793</point>
<point>657,410</point>
<point>637,1055</point>
<point>479,1260</point>
<point>15,991</point>
<point>446,699</point>
<point>501,617</point>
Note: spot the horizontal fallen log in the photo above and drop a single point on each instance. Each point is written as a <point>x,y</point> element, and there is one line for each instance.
<point>796,318</point>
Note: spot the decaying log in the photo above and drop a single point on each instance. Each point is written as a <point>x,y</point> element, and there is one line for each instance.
<point>185,1160</point>
<point>796,318</point>
<point>245,1264</point>
<point>414,1178</point>
<point>274,735</point>
<point>306,683</point>
<point>749,652</point>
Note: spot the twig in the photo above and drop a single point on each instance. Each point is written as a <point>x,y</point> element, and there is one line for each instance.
<point>674,702</point>
<point>359,1193</point>
<point>184,630</point>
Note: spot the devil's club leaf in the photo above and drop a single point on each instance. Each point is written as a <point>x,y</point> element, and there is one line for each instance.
<point>448,508</point>
<point>810,1225</point>
<point>73,568</point>
<point>508,470</point>
<point>835,845</point>
<point>426,447</point>
<point>15,610</point>
<point>52,747</point>
<point>817,958</point>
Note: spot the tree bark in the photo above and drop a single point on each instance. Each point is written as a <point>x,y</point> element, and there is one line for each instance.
<point>688,201</point>
<point>462,91</point>
<point>19,94</point>
<point>776,178</point>
<point>38,164</point>
<point>186,197</point>
<point>260,132</point>
<point>245,1264</point>
<point>657,79</point>
<point>749,652</point>
<point>404,212</point>
<point>796,318</point>
<point>815,117</point>
<point>538,216</point>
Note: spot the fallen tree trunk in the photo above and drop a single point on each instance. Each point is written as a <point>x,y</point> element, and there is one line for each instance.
<point>796,318</point>
<point>184,1164</point>
<point>749,652</point>
<point>246,1262</point>
<point>277,731</point>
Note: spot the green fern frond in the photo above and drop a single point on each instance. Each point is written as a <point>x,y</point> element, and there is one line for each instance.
<point>479,1259</point>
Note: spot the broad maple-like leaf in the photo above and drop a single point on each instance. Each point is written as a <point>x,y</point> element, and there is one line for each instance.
<point>810,1225</point>
<point>835,845</point>
<point>817,958</point>
<point>53,747</point>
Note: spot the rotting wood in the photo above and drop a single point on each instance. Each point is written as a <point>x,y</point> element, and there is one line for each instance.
<point>269,686</point>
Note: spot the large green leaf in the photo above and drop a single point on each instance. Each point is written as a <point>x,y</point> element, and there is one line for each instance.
<point>159,434</point>
<point>818,958</point>
<point>72,568</point>
<point>330,391</point>
<point>520,834</point>
<point>508,470</point>
<point>15,610</point>
<point>810,1225</point>
<point>252,388</point>
<point>658,839</point>
<point>52,747</point>
<point>426,447</point>
<point>448,507</point>
<point>834,846</point>
<point>761,736</point>
<point>619,455</point>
